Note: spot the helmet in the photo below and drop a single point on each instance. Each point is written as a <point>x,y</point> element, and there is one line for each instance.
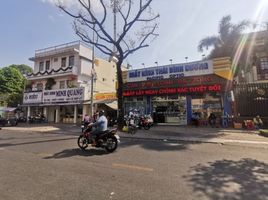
<point>101,112</point>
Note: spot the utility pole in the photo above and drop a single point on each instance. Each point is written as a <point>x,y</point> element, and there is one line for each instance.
<point>92,74</point>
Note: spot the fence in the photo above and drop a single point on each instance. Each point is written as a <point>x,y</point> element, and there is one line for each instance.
<point>251,99</point>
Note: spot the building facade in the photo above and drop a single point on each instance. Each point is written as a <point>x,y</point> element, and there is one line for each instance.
<point>60,85</point>
<point>172,93</point>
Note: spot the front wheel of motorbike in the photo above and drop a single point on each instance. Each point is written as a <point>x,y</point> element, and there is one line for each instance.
<point>82,142</point>
<point>147,127</point>
<point>111,144</point>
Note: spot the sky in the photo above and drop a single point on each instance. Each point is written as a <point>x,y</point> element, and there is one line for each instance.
<point>28,25</point>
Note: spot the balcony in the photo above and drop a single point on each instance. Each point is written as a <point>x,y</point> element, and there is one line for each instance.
<point>71,47</point>
<point>71,70</point>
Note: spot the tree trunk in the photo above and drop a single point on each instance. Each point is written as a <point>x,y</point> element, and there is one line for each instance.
<point>120,96</point>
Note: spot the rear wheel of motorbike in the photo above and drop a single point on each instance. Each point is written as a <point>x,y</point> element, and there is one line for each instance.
<point>111,144</point>
<point>147,127</point>
<point>132,130</point>
<point>82,142</point>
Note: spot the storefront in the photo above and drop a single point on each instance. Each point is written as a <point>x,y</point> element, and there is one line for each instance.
<point>62,105</point>
<point>175,99</point>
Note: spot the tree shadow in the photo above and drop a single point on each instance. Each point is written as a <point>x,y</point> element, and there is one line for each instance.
<point>77,152</point>
<point>245,179</point>
<point>154,144</point>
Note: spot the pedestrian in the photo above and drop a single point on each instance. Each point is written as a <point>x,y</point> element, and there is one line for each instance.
<point>212,120</point>
<point>258,123</point>
<point>87,120</point>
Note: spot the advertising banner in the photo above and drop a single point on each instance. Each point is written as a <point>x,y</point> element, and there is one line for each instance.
<point>172,71</point>
<point>63,95</point>
<point>32,97</point>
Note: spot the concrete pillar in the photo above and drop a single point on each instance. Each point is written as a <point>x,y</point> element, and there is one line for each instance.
<point>85,110</point>
<point>57,114</point>
<point>28,112</point>
<point>75,114</point>
<point>45,112</point>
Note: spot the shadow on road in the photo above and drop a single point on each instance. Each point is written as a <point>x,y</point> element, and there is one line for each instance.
<point>245,179</point>
<point>154,145</point>
<point>77,152</point>
<point>33,142</point>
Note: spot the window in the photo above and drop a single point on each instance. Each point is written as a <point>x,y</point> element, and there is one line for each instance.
<point>39,86</point>
<point>264,63</point>
<point>70,84</point>
<point>47,64</point>
<point>41,66</point>
<point>63,62</point>
<point>62,84</point>
<point>71,61</point>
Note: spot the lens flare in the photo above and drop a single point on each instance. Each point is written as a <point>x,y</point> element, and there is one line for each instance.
<point>258,19</point>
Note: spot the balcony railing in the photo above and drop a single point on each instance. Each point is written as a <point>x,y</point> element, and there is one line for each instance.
<point>71,70</point>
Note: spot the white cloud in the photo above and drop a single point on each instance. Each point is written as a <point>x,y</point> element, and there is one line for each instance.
<point>73,3</point>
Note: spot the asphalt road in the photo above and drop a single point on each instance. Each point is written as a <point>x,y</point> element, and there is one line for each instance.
<point>43,166</point>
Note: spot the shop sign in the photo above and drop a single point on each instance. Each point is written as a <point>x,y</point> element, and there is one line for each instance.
<point>105,96</point>
<point>32,97</point>
<point>173,71</point>
<point>186,81</point>
<point>178,90</point>
<point>63,95</point>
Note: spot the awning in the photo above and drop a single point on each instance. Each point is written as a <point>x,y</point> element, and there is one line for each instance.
<point>112,105</point>
<point>7,109</point>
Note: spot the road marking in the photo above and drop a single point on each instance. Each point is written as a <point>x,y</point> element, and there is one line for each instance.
<point>134,167</point>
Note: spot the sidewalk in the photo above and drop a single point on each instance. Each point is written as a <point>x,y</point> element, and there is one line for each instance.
<point>169,133</point>
<point>204,135</point>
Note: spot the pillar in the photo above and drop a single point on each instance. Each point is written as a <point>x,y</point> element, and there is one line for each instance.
<point>75,114</point>
<point>28,112</point>
<point>57,120</point>
<point>189,108</point>
<point>45,112</point>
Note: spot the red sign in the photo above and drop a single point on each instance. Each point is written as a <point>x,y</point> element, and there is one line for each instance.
<point>179,90</point>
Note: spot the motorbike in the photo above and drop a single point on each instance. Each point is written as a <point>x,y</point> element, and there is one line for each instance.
<point>37,119</point>
<point>107,140</point>
<point>144,123</point>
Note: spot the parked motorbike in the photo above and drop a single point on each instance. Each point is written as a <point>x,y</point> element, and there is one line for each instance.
<point>144,123</point>
<point>107,140</point>
<point>37,119</point>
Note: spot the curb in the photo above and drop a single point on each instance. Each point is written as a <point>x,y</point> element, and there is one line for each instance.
<point>197,140</point>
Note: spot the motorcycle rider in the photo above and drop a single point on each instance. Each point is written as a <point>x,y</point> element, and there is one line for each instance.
<point>100,126</point>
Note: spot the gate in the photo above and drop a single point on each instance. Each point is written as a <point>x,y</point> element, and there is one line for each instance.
<point>251,99</point>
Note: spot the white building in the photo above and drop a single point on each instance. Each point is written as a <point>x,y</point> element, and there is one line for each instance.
<point>60,85</point>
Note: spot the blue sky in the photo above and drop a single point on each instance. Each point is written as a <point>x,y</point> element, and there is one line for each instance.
<point>27,25</point>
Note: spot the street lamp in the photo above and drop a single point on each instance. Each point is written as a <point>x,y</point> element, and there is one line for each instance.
<point>186,58</point>
<point>170,60</point>
<point>156,63</point>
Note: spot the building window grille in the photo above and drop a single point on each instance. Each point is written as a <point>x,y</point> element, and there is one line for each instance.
<point>264,63</point>
<point>71,61</point>
<point>47,64</point>
<point>62,84</point>
<point>63,62</point>
<point>39,86</point>
<point>41,66</point>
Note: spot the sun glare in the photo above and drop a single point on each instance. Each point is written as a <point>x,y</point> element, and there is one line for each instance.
<point>258,20</point>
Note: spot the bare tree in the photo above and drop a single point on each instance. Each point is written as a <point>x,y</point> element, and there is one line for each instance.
<point>136,28</point>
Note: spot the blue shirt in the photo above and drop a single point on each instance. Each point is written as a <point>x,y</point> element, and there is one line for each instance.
<point>101,123</point>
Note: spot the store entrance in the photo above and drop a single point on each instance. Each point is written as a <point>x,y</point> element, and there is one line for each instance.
<point>170,109</point>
